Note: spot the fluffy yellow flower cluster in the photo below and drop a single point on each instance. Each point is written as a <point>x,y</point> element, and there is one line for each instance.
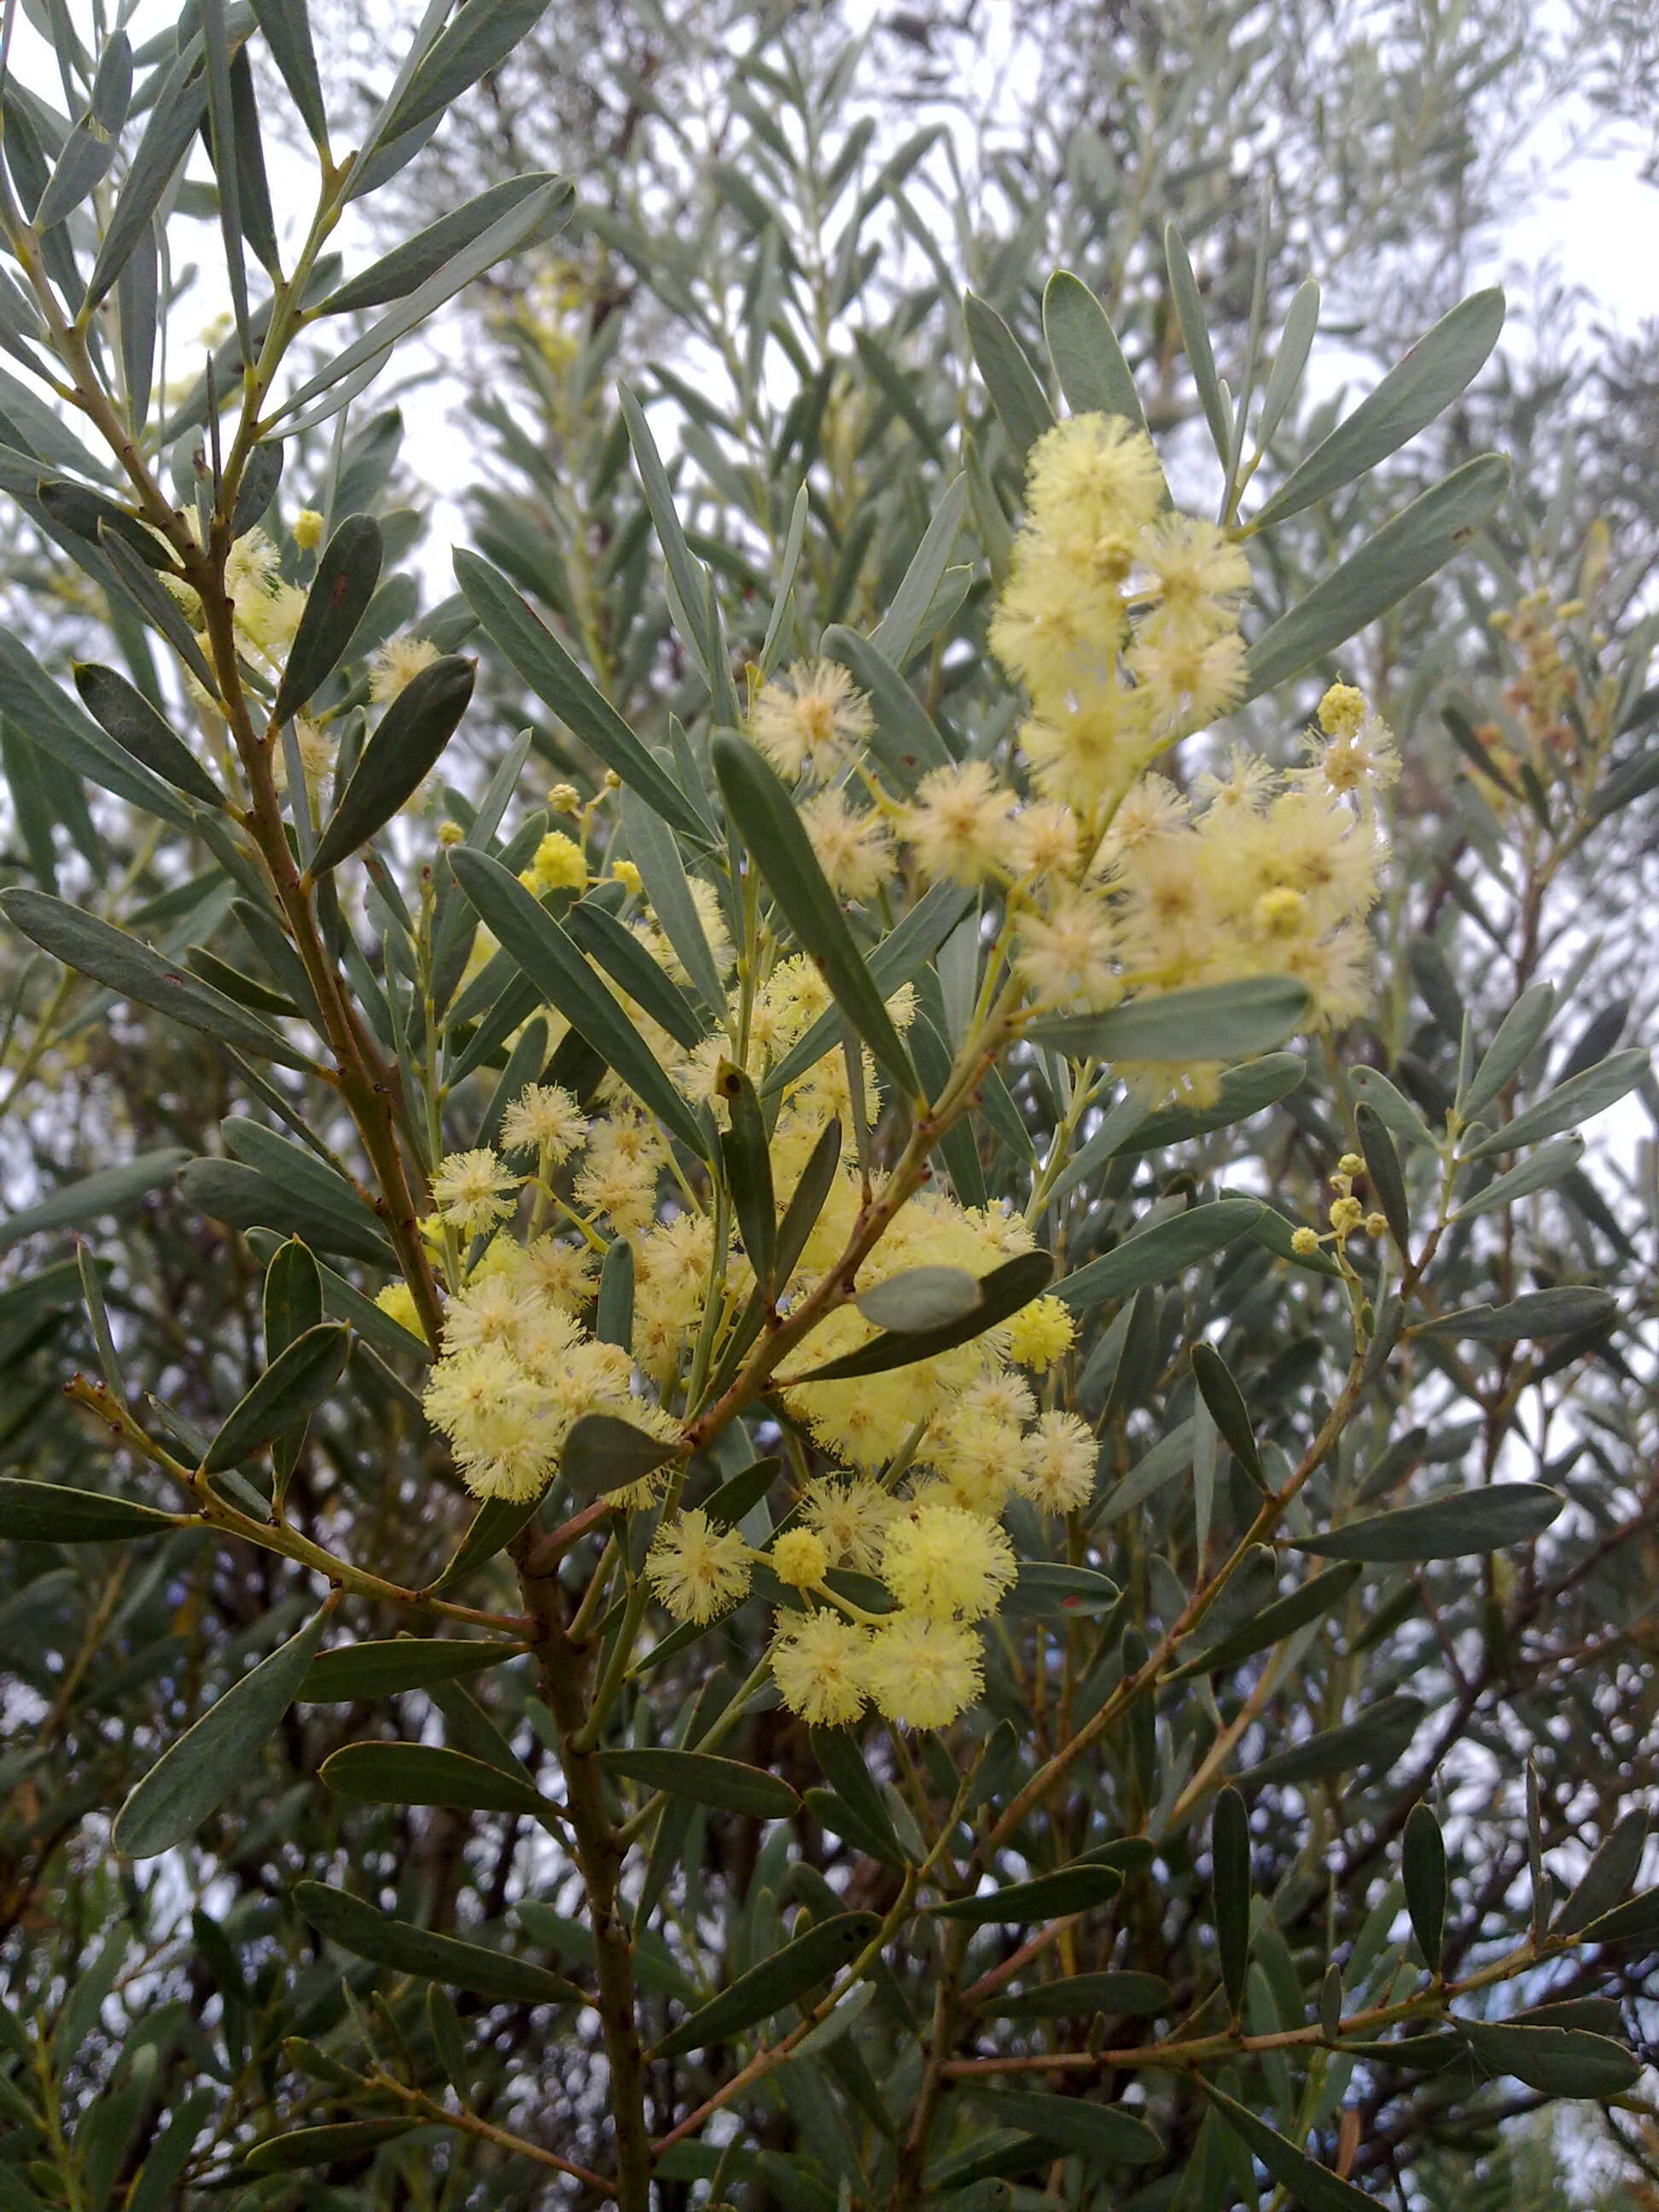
<point>1120,617</point>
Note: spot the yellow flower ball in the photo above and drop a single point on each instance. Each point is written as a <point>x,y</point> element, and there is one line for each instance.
<point>800,1558</point>
<point>1040,1334</point>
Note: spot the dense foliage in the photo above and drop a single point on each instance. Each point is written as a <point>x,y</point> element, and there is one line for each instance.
<point>824,1381</point>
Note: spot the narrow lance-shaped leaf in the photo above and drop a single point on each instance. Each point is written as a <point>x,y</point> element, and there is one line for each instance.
<point>1423,1868</point>
<point>1230,1846</point>
<point>604,1453</point>
<point>369,1934</point>
<point>287,31</point>
<point>1561,2061</point>
<point>1099,2134</point>
<point>288,1392</point>
<point>905,735</point>
<point>90,147</point>
<point>1376,1738</point>
<point>1018,397</point>
<point>1195,337</point>
<point>400,754</point>
<point>1002,1292</point>
<point>552,963</point>
<point>56,725</point>
<point>1570,1105</point>
<point>178,107</point>
<point>354,1671</point>
<point>688,585</point>
<point>1519,1034</point>
<point>478,37</point>
<point>348,570</point>
<point>896,634</point>
<point>799,1965</point>
<point>1084,351</point>
<point>705,1779</point>
<point>298,2147</point>
<point>126,716</point>
<point>398,273</point>
<point>132,971</point>
<point>539,657</point>
<point>1404,552</point>
<point>1221,1394</point>
<point>112,1191</point>
<point>1559,1312</point>
<point>926,1297</point>
<point>195,1775</point>
<point>1443,1527</point>
<point>52,1513</point>
<point>1158,1254</point>
<point>1316,1596</point>
<point>428,1774</point>
<point>1211,1021</point>
<point>293,1297</point>
<point>1383,1165</point>
<point>1119,1990</point>
<point>1314,2187</point>
<point>338,382</point>
<point>766,819</point>
<point>625,960</point>
<point>1616,1862</point>
<point>1443,362</point>
<point>654,852</point>
<point>746,1153</point>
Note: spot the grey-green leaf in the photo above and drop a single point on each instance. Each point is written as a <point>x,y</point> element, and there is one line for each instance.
<point>112,1191</point>
<point>766,820</point>
<point>399,756</point>
<point>348,570</point>
<point>1098,2134</point>
<point>1443,362</point>
<point>1559,1312</point>
<point>398,273</point>
<point>1083,348</point>
<point>476,38</point>
<point>1009,379</point>
<point>132,971</point>
<point>321,2146</point>
<point>1230,1846</point>
<point>195,1775</point>
<point>1449,1527</point>
<point>1423,1870</point>
<point>1562,2061</point>
<point>1570,1104</point>
<point>1120,1990</point>
<point>1210,1021</point>
<point>541,661</point>
<point>288,1392</point>
<point>905,735</point>
<point>1405,551</point>
<point>384,1669</point>
<point>777,1981</point>
<point>1314,2187</point>
<point>1158,1254</point>
<point>125,715</point>
<point>919,1298</point>
<point>358,1926</point>
<point>705,1779</point>
<point>604,1453</point>
<point>1376,1738</point>
<point>428,1774</point>
<point>52,1513</point>
<point>1002,1292</point>
<point>558,971</point>
<point>1045,1897</point>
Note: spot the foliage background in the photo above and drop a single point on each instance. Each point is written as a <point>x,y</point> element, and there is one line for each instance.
<point>1388,136</point>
